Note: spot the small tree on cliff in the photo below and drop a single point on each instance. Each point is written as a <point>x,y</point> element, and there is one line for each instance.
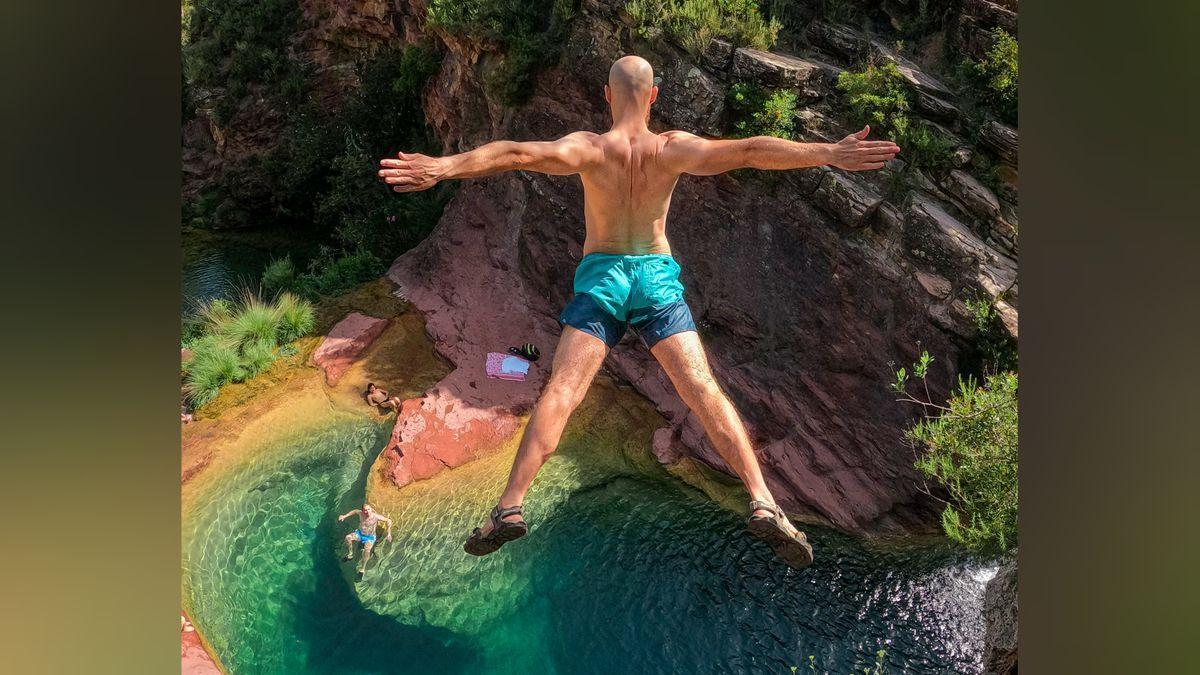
<point>970,447</point>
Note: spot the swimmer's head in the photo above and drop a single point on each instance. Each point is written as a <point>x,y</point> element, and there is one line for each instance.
<point>370,387</point>
<point>367,508</point>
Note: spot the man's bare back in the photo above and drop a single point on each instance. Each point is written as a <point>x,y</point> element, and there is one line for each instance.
<point>629,279</point>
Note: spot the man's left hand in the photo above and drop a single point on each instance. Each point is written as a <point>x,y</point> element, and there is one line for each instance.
<point>411,172</point>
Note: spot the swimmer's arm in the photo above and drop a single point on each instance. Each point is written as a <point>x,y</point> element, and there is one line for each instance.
<point>389,526</point>
<point>347,515</point>
<point>568,155</point>
<point>692,154</point>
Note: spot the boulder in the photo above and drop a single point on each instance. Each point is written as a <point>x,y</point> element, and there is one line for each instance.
<point>778,70</point>
<point>839,41</point>
<point>718,55</point>
<point>847,199</point>
<point>692,100</point>
<point>991,15</point>
<point>1000,139</point>
<point>935,108</point>
<point>934,285</point>
<point>944,241</point>
<point>1000,617</point>
<point>442,431</point>
<point>917,78</point>
<point>1008,316</point>
<point>345,343</point>
<point>973,195</point>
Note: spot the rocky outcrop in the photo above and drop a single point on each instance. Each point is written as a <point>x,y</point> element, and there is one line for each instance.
<point>345,343</point>
<point>1000,615</point>
<point>194,658</point>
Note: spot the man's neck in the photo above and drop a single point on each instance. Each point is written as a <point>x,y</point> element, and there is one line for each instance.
<point>629,121</point>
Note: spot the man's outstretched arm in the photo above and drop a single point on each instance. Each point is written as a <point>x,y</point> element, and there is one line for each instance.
<point>568,155</point>
<point>704,157</point>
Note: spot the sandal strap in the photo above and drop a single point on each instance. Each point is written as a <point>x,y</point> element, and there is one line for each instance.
<point>764,506</point>
<point>499,513</point>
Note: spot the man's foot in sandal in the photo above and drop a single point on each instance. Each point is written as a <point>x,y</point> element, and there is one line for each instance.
<point>768,523</point>
<point>502,526</point>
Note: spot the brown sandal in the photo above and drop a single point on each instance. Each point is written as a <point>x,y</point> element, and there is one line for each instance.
<point>502,532</point>
<point>791,549</point>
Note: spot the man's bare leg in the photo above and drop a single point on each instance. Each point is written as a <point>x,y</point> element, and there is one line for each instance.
<point>349,547</point>
<point>682,357</point>
<point>576,361</point>
<point>366,555</point>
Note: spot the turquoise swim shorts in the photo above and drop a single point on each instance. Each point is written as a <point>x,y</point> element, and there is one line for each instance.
<point>613,292</point>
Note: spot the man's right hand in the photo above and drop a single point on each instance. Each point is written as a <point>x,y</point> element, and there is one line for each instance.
<point>341,518</point>
<point>856,153</point>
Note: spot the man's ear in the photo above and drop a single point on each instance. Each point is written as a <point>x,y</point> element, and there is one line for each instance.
<point>607,95</point>
<point>653,94</point>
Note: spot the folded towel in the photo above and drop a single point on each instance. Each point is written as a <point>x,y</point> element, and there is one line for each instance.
<point>506,367</point>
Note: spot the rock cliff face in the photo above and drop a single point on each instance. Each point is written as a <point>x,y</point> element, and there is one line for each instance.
<point>808,286</point>
<point>1000,612</point>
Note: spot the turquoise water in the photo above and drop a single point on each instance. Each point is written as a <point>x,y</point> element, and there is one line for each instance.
<point>626,570</point>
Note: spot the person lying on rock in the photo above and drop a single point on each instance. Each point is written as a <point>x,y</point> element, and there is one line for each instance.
<point>368,522</point>
<point>628,278</point>
<point>380,399</point>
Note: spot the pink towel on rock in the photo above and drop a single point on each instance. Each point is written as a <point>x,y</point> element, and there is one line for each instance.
<point>506,366</point>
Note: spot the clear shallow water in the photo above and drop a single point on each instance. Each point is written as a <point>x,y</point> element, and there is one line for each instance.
<point>626,569</point>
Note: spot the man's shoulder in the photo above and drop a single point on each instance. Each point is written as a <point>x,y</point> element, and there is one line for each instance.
<point>678,135</point>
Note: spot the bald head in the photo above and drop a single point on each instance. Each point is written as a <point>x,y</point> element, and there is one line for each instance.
<point>630,81</point>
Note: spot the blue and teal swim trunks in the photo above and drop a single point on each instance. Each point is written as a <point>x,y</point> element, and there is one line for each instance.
<point>613,292</point>
<point>365,538</point>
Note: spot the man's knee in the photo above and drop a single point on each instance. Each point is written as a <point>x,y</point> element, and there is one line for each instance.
<point>560,398</point>
<point>704,393</point>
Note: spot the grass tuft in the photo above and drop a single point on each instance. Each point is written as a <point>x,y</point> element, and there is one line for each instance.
<point>240,341</point>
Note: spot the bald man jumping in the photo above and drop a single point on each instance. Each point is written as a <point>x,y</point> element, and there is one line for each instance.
<point>628,278</point>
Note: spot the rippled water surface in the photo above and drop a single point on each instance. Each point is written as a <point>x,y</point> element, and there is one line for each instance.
<point>626,570</point>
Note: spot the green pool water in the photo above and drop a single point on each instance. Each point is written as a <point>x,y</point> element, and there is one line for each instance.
<point>626,570</point>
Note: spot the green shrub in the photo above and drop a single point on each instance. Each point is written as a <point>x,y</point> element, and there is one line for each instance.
<point>239,342</point>
<point>279,276</point>
<point>876,95</point>
<point>213,365</point>
<point>256,321</point>
<point>695,23</point>
<point>994,79</point>
<point>756,112</point>
<point>233,44</point>
<point>216,314</point>
<point>997,349</point>
<point>322,174</point>
<point>335,275</point>
<point>879,96</point>
<point>530,35</point>
<point>970,447</point>
<point>257,356</point>
<point>296,317</point>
